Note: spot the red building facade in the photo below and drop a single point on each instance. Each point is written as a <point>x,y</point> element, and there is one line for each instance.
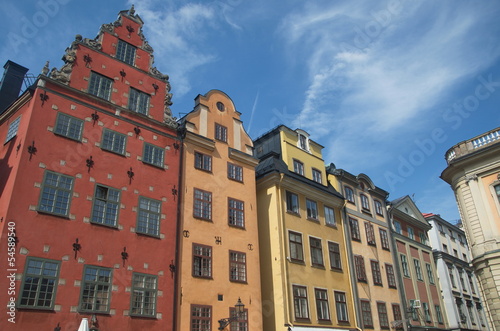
<point>89,172</point>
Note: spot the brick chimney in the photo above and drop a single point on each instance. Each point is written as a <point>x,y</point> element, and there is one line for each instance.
<point>11,83</point>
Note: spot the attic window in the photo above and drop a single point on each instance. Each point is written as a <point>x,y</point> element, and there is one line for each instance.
<point>125,52</point>
<point>220,106</point>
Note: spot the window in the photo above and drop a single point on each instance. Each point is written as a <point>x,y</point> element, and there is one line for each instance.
<point>382,315</point>
<point>470,308</point>
<point>317,176</point>
<point>303,142</point>
<point>69,126</point>
<point>56,194</point>
<point>316,252</point>
<point>497,191</point>
<point>113,141</point>
<point>440,228</point>
<point>439,315</point>
<point>39,286</point>
<point>236,213</point>
<point>201,318</point>
<point>125,52</point>
<point>452,277</point>
<point>370,234</point>
<point>430,274</point>
<point>202,261</point>
<point>296,252</point>
<point>12,131</point>
<point>138,101</point>
<point>427,312</point>
<point>365,204</point>
<point>202,161</point>
<point>414,311</point>
<point>359,263</point>
<point>153,155</point>
<point>366,313</point>
<point>460,239</point>
<point>397,227</point>
<point>234,172</point>
<point>148,218</point>
<point>100,86</point>
<point>461,277</point>
<point>377,277</point>
<point>418,270</point>
<point>353,223</point>
<point>237,267</point>
<point>396,311</point>
<point>322,304</point>
<point>404,265</point>
<point>106,205</point>
<point>220,132</point>
<point>300,302</point>
<point>384,239</point>
<point>391,277</point>
<point>298,167</point>
<point>423,238</point>
<point>312,209</point>
<point>455,252</point>
<point>330,216</point>
<point>220,106</point>
<point>445,248</point>
<point>96,289</point>
<point>349,194</point>
<point>202,204</point>
<point>452,237</point>
<point>240,323</point>
<point>378,208</point>
<point>144,293</point>
<point>292,202</point>
<point>334,252</point>
<point>341,306</point>
<point>411,234</point>
<point>471,283</point>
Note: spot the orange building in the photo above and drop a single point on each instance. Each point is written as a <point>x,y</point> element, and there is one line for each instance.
<point>89,167</point>
<point>218,232</point>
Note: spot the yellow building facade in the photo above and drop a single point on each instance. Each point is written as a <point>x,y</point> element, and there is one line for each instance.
<point>304,271</point>
<point>218,233</point>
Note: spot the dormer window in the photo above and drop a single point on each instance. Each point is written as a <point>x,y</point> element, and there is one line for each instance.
<point>303,140</point>
<point>125,52</point>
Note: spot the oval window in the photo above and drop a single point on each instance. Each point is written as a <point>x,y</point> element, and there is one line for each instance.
<point>220,106</point>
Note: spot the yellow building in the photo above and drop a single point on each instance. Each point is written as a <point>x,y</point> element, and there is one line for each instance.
<point>379,301</point>
<point>305,274</point>
<point>219,246</point>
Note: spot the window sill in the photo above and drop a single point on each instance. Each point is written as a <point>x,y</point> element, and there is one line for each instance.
<point>157,166</point>
<point>366,211</point>
<point>300,262</point>
<point>52,214</point>
<point>293,213</point>
<point>203,277</point>
<point>113,152</point>
<point>148,235</point>
<point>113,227</point>
<point>203,219</point>
<point>69,138</point>
<point>333,226</point>
<point>143,316</point>
<point>315,220</point>
<point>337,269</point>
<point>238,281</point>
<point>318,266</point>
<point>236,227</point>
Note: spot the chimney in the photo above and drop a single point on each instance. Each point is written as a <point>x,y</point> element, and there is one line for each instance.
<point>11,84</point>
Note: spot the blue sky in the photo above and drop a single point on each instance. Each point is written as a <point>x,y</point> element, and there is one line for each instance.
<point>386,86</point>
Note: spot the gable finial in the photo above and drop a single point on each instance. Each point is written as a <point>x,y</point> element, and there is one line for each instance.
<point>131,12</point>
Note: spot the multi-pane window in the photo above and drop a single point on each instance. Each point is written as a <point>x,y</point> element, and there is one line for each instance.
<point>153,155</point>
<point>148,216</point>
<point>418,270</point>
<point>334,252</point>
<point>100,86</point>
<point>13,127</point>
<point>341,306</point>
<point>234,172</point>
<point>377,276</point>
<point>113,141</point>
<point>382,315</point>
<point>56,194</point>
<point>202,161</point>
<point>330,216</point>
<point>316,251</point>
<point>366,313</point>
<point>391,277</point>
<point>439,315</point>
<point>202,204</point>
<point>296,252</point>
<point>365,204</point>
<point>353,223</point>
<point>202,261</point>
<point>452,237</point>
<point>445,248</point>
<point>292,202</point>
<point>384,239</point>
<point>317,176</point>
<point>125,52</point>
<point>69,126</point>
<point>239,322</point>
<point>236,215</point>
<point>423,238</point>
<point>237,266</point>
<point>452,277</point>
<point>497,191</point>
<point>298,167</point>
<point>404,265</point>
<point>462,280</point>
<point>430,274</point>
<point>322,309</point>
<point>201,318</point>
<point>312,209</point>
<point>138,101</point>
<point>359,263</point>
<point>370,234</point>
<point>349,194</point>
<point>378,208</point>
<point>39,286</point>
<point>397,227</point>
<point>411,233</point>
<point>471,283</point>
<point>300,302</point>
<point>427,312</point>
<point>303,142</point>
<point>144,292</point>
<point>106,205</point>
<point>96,289</point>
<point>396,311</point>
<point>414,310</point>
<point>220,132</point>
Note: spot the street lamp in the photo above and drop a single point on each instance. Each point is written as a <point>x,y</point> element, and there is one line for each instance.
<point>239,307</point>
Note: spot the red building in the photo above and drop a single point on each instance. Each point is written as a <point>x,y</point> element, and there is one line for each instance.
<point>89,172</point>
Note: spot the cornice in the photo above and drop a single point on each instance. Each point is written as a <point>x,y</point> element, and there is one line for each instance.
<point>242,157</point>
<point>199,141</point>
